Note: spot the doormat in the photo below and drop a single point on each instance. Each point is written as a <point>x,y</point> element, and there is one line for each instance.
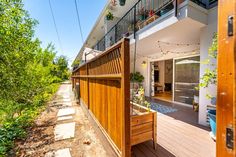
<point>162,108</point>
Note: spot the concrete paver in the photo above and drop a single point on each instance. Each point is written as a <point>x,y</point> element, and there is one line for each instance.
<point>66,112</point>
<point>59,153</point>
<point>64,131</point>
<point>64,118</point>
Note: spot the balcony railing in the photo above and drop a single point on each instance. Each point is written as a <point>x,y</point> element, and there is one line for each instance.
<point>140,15</point>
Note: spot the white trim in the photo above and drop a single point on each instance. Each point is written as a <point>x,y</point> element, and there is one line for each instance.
<point>188,56</point>
<point>173,82</point>
<point>149,78</point>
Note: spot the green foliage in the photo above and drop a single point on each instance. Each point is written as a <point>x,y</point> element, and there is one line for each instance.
<point>109,15</point>
<point>62,70</point>
<point>140,99</point>
<point>29,74</point>
<point>136,77</point>
<point>210,75</point>
<point>76,63</point>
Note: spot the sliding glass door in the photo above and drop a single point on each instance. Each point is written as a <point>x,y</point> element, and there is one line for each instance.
<point>186,79</point>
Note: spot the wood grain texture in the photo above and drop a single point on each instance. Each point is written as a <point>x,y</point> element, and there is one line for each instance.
<point>104,87</point>
<point>226,115</point>
<point>143,128</point>
<point>125,95</point>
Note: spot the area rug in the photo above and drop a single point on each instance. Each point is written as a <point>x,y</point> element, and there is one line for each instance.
<point>162,108</point>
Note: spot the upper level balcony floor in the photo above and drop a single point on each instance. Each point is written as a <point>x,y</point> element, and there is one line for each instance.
<point>153,15</point>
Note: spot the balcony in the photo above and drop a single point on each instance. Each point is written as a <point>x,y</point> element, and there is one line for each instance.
<point>142,14</point>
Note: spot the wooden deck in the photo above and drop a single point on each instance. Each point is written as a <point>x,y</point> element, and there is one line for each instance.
<point>178,134</point>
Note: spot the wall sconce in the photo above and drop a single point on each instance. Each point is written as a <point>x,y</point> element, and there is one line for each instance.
<point>144,63</point>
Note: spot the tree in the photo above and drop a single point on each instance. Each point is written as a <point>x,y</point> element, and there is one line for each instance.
<point>210,75</point>
<point>28,73</point>
<point>62,70</point>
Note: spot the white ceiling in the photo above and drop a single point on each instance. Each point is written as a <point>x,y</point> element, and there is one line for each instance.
<point>186,31</point>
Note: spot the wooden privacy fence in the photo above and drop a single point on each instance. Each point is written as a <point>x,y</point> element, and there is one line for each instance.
<point>104,90</point>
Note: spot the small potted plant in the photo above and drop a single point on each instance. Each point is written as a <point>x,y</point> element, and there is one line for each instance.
<point>130,28</point>
<point>140,99</point>
<point>109,15</point>
<point>142,14</point>
<point>151,13</point>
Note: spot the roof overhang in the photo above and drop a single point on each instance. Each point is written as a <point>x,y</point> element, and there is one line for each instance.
<point>98,30</point>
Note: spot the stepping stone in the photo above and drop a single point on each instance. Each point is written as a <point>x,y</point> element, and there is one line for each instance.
<point>65,112</point>
<point>66,96</point>
<point>67,104</point>
<point>64,118</point>
<point>64,131</point>
<point>62,100</point>
<point>59,153</point>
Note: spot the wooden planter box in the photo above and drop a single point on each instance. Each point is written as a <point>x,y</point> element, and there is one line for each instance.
<point>143,125</point>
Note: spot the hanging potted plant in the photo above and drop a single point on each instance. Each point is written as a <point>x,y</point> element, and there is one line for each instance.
<point>109,15</point>
<point>122,2</point>
<point>137,79</point>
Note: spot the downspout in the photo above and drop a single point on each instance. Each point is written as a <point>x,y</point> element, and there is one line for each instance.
<point>176,8</point>
<point>135,50</point>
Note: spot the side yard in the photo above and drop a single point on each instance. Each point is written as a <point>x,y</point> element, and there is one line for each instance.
<point>43,139</point>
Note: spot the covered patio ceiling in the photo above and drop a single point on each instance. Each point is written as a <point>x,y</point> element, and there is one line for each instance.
<point>172,41</point>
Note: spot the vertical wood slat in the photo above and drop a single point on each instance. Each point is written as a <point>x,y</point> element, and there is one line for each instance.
<point>226,94</point>
<point>107,99</point>
<point>125,86</point>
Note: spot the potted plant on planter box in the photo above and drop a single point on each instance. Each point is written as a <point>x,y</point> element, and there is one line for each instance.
<point>143,120</point>
<point>136,80</point>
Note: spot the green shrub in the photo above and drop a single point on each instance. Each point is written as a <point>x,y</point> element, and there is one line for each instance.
<point>136,77</point>
<point>29,74</point>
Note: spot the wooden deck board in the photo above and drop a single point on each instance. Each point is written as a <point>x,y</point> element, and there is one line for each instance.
<point>178,137</point>
<point>175,138</point>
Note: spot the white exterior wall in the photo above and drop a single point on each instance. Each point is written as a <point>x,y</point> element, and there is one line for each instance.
<point>161,66</point>
<point>143,69</point>
<point>205,42</point>
<point>206,35</point>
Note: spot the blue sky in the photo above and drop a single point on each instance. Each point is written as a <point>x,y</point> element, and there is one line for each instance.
<point>66,20</point>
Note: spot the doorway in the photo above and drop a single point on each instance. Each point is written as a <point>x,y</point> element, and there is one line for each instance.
<point>162,79</point>
<point>175,80</point>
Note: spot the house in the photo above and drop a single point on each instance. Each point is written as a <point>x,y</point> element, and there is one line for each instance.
<point>169,40</point>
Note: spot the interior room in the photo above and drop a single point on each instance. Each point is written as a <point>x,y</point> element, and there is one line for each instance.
<point>163,79</point>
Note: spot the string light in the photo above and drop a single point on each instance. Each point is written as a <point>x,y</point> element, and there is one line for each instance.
<point>163,53</point>
<point>177,44</point>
